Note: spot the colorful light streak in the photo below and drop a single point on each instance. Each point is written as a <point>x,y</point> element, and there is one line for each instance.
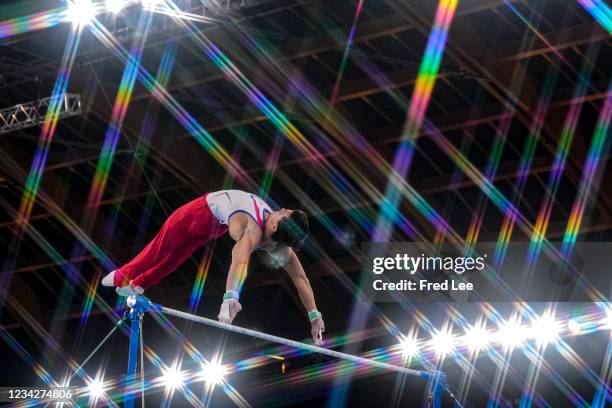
<point>583,79</point>
<point>567,134</point>
<point>36,328</point>
<point>198,285</point>
<point>406,188</point>
<point>347,49</point>
<point>347,135</point>
<point>601,12</point>
<point>204,138</point>
<point>16,346</point>
<point>421,95</point>
<point>49,127</point>
<point>544,329</point>
<point>32,22</point>
<point>502,203</point>
<point>599,143</point>
<point>166,66</point>
<point>275,116</point>
<point>120,107</point>
<point>525,163</point>
<point>335,370</point>
<point>341,129</point>
<point>196,356</point>
<point>147,129</point>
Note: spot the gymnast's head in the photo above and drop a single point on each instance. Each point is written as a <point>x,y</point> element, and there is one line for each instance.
<point>288,228</point>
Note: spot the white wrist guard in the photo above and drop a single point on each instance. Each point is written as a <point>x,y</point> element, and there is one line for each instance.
<point>230,295</point>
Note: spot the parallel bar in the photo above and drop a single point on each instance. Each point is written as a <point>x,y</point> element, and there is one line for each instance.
<point>296,344</point>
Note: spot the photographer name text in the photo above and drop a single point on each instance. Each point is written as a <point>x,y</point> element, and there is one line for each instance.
<point>423,285</point>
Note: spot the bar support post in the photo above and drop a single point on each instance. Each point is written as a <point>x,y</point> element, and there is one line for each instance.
<point>138,306</point>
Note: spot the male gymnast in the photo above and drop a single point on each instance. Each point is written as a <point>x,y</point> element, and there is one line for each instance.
<point>250,222</point>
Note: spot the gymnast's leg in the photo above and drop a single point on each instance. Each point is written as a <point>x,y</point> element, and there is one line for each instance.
<point>187,228</point>
<point>166,266</point>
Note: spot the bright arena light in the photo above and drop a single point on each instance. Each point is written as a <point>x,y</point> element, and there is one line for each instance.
<point>609,311</point>
<point>173,378</point>
<point>574,326</point>
<point>213,373</point>
<point>149,4</point>
<point>545,329</point>
<point>477,337</point>
<point>409,346</point>
<point>442,343</point>
<point>511,333</point>
<point>95,389</point>
<point>81,12</point>
<point>115,6</point>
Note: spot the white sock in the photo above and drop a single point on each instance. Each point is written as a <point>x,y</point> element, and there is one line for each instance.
<point>109,280</point>
<point>129,290</point>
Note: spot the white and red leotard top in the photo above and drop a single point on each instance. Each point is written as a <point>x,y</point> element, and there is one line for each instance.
<point>225,203</point>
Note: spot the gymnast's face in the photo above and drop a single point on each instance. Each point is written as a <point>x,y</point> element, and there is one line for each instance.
<point>274,218</point>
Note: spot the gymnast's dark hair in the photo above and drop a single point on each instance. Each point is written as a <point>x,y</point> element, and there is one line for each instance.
<point>293,230</point>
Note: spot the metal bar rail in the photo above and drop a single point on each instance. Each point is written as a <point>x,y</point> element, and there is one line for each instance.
<point>139,304</point>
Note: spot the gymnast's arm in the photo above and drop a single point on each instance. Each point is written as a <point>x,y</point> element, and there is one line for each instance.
<point>300,280</point>
<point>246,241</point>
<point>302,284</point>
<point>246,237</point>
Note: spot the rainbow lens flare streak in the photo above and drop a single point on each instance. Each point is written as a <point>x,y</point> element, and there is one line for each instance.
<point>600,141</point>
<point>56,257</point>
<point>51,343</point>
<point>418,201</point>
<point>196,356</point>
<point>157,90</point>
<point>347,49</point>
<point>148,126</point>
<point>525,163</point>
<point>350,137</point>
<point>421,95</point>
<point>275,116</point>
<point>204,138</point>
<point>604,390</point>
<point>500,200</point>
<point>198,285</point>
<point>66,221</point>
<point>554,180</point>
<point>119,111</point>
<point>601,12</point>
<point>192,126</point>
<point>49,126</point>
<point>39,370</point>
<point>32,22</point>
<point>274,155</point>
<point>122,101</point>
<point>340,129</point>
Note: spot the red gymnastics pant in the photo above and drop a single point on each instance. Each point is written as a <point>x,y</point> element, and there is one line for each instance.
<point>187,229</point>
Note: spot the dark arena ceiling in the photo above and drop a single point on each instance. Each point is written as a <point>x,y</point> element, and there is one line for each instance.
<point>310,104</point>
